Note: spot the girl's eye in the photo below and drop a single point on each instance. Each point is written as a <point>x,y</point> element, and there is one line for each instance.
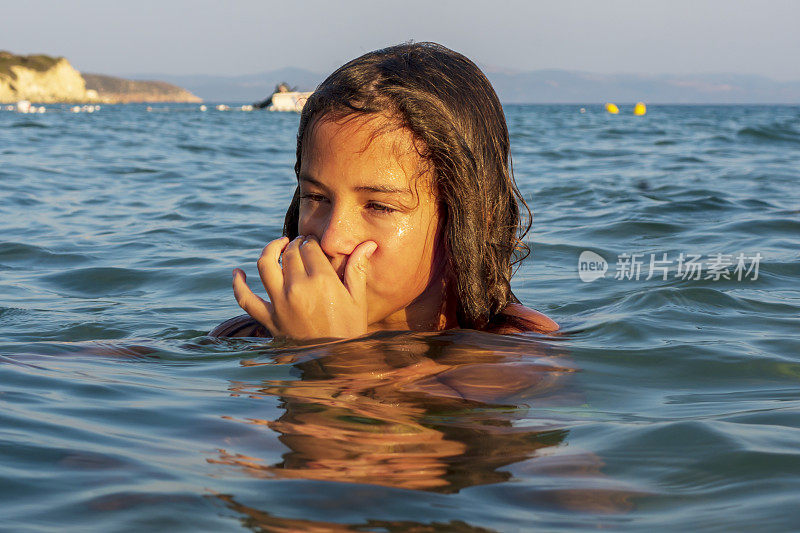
<point>313,197</point>
<point>380,208</point>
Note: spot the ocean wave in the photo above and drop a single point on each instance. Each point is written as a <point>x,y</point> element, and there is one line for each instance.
<point>16,253</point>
<point>780,132</point>
<point>93,282</point>
<point>29,124</point>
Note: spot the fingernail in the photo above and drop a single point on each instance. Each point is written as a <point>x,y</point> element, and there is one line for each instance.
<point>371,251</point>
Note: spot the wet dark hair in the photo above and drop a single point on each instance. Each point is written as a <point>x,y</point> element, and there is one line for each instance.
<point>451,109</point>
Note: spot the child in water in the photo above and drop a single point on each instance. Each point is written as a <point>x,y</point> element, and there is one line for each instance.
<point>406,216</point>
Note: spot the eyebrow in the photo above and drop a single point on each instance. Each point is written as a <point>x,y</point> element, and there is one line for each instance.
<point>385,189</point>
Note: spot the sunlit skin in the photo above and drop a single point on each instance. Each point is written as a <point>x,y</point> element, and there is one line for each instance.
<point>367,257</point>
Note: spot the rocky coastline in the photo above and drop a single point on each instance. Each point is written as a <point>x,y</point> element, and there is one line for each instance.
<point>45,79</point>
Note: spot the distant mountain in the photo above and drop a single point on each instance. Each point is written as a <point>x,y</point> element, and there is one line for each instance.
<point>538,86</point>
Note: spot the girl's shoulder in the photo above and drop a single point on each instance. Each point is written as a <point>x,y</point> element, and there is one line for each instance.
<point>516,318</point>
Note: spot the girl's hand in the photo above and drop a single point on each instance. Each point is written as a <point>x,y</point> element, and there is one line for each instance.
<point>307,298</point>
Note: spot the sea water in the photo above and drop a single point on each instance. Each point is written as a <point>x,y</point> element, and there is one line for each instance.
<point>665,245</point>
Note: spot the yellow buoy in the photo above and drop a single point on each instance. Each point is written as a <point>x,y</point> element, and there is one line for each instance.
<point>612,108</point>
<point>639,109</point>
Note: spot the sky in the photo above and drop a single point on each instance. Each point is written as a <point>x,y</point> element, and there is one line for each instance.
<point>251,36</point>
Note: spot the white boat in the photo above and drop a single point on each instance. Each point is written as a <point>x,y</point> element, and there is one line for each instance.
<point>288,101</point>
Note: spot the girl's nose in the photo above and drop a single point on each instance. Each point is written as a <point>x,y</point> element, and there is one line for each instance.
<point>339,237</point>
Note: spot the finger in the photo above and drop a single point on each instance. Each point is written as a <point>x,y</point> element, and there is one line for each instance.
<point>314,259</point>
<point>292,261</point>
<point>355,272</point>
<point>255,306</point>
<point>270,269</point>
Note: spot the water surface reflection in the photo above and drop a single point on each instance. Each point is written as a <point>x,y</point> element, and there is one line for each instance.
<point>412,411</point>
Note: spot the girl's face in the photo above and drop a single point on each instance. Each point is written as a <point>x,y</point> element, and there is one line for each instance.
<point>360,185</point>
